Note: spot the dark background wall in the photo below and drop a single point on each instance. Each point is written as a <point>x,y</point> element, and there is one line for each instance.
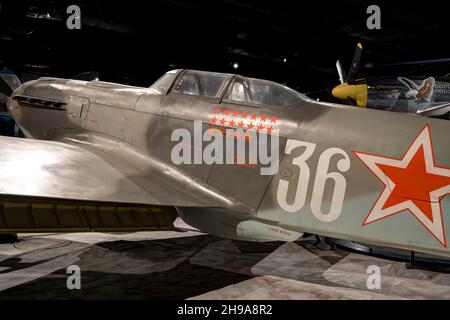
<point>292,42</point>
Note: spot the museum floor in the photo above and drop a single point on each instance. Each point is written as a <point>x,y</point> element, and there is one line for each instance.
<point>189,264</point>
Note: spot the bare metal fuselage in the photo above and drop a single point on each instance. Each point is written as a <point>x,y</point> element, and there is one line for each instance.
<point>131,127</point>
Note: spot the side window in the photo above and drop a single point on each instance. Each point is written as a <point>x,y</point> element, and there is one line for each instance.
<point>163,83</point>
<point>261,92</point>
<point>239,91</point>
<point>207,84</point>
<point>188,85</point>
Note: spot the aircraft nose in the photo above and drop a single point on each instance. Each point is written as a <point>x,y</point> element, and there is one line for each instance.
<point>357,92</point>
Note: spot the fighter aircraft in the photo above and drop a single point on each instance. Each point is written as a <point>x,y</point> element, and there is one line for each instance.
<point>427,96</point>
<point>100,157</point>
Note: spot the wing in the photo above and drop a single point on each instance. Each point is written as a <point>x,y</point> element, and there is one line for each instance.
<point>37,174</point>
<point>435,109</point>
<point>37,168</point>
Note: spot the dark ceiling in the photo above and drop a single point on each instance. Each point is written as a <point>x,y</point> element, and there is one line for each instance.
<point>292,42</point>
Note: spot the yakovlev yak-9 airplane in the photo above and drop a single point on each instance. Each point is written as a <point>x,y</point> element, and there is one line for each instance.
<point>104,157</point>
<point>425,96</point>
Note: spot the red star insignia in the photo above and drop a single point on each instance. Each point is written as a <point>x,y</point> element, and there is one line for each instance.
<point>260,127</point>
<point>235,114</point>
<point>241,124</point>
<point>244,115</point>
<point>269,130</point>
<point>263,118</point>
<point>226,112</point>
<point>250,126</point>
<point>231,123</point>
<point>253,116</point>
<point>412,183</point>
<point>213,120</point>
<point>222,121</point>
<point>273,119</point>
<point>218,110</point>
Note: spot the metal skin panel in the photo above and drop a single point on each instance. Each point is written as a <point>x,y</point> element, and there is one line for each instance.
<point>113,94</point>
<point>179,111</point>
<point>163,151</point>
<point>247,184</point>
<point>139,129</point>
<point>58,170</point>
<point>140,152</point>
<point>106,119</point>
<point>76,110</point>
<point>149,103</point>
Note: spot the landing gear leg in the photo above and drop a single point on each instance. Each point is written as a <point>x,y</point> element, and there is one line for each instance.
<point>411,264</point>
<point>323,243</point>
<point>412,259</point>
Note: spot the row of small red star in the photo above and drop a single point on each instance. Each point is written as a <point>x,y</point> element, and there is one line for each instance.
<point>241,124</point>
<point>243,115</point>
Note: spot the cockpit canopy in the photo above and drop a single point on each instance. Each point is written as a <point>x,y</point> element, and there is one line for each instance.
<point>227,87</point>
<point>262,92</point>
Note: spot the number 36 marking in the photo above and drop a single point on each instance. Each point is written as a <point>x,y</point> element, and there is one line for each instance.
<point>322,176</point>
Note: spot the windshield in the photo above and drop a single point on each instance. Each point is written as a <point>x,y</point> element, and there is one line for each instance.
<point>163,84</point>
<point>201,83</point>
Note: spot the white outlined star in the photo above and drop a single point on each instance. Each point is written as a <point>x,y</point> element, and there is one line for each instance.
<point>411,183</point>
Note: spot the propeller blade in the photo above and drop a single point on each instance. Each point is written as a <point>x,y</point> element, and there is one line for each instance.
<point>355,64</point>
<point>340,71</point>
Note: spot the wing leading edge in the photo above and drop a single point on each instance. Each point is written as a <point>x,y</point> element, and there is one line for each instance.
<point>37,168</point>
<point>81,171</point>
